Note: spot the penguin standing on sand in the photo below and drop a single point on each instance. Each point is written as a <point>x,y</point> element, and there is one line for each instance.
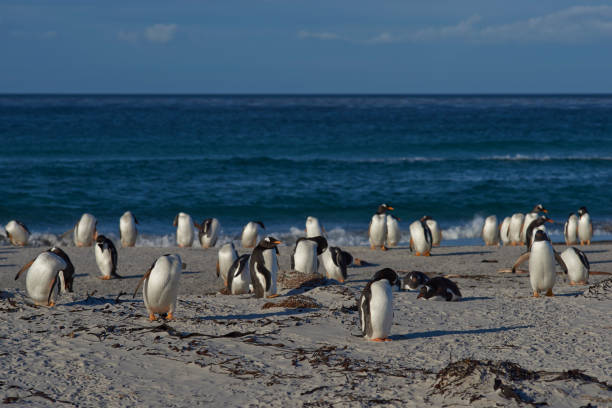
<point>305,254</point>
<point>68,275</point>
<point>239,277</point>
<point>184,229</point>
<point>585,228</point>
<point>436,232</point>
<point>504,230</point>
<point>250,234</point>
<point>377,231</point>
<point>440,288</point>
<point>514,230</point>
<point>17,233</point>
<point>393,230</point>
<point>376,305</point>
<point>490,231</point>
<point>314,228</point>
<point>106,258</point>
<point>263,266</point>
<point>85,231</point>
<point>127,229</point>
<point>570,231</point>
<point>542,273</point>
<point>160,286</point>
<point>226,257</point>
<point>43,273</point>
<point>420,237</point>
<point>336,262</point>
<point>577,266</point>
<point>208,232</point>
<point>529,218</point>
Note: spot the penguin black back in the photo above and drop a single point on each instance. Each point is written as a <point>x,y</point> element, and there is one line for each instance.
<point>441,287</point>
<point>106,244</point>
<point>236,269</point>
<point>257,266</point>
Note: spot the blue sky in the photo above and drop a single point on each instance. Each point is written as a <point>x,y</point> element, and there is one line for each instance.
<point>348,46</point>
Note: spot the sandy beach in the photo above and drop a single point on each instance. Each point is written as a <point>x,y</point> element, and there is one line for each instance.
<point>96,347</point>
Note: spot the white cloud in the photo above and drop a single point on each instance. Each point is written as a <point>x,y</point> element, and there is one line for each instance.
<point>318,35</point>
<point>160,33</point>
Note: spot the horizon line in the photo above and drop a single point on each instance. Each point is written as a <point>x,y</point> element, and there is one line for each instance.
<point>330,94</point>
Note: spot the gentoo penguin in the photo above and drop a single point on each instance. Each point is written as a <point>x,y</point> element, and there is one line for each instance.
<point>336,262</point>
<point>529,218</point>
<point>415,280</point>
<point>420,237</point>
<point>106,258</point>
<point>160,286</point>
<point>250,234</point>
<point>127,229</point>
<point>239,276</point>
<point>570,231</point>
<point>378,227</point>
<point>85,231</point>
<point>504,230</point>
<point>184,229</point>
<point>305,254</point>
<point>440,288</point>
<point>376,305</point>
<point>208,232</point>
<point>490,231</point>
<point>436,233</point>
<point>42,276</point>
<point>536,225</point>
<point>17,233</point>
<point>585,228</point>
<point>227,255</point>
<point>542,265</point>
<point>314,228</point>
<point>514,231</point>
<point>577,266</point>
<point>68,275</point>
<point>263,266</point>
<point>393,230</point>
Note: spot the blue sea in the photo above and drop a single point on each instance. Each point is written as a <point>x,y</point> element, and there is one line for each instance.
<point>279,159</point>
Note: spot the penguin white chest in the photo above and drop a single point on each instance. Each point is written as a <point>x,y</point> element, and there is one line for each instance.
<point>103,260</point>
<point>305,257</point>
<point>209,239</point>
<point>227,256</point>
<point>542,266</point>
<point>490,232</point>
<point>571,230</point>
<point>160,289</point>
<point>504,230</point>
<point>249,235</point>
<point>85,230</point>
<point>40,276</point>
<point>381,309</point>
<point>313,228</point>
<point>271,263</point>
<point>241,280</point>
<point>18,234</point>
<point>419,240</point>
<point>584,228</point>
<point>516,224</point>
<point>184,231</point>
<point>576,270</point>
<point>378,230</point>
<point>127,227</point>
<point>333,270</point>
<point>393,231</point>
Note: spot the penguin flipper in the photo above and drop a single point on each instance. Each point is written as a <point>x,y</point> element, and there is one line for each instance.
<point>218,270</point>
<point>175,222</point>
<point>520,260</point>
<point>560,261</point>
<point>114,258</point>
<point>25,267</point>
<point>583,258</point>
<point>145,276</point>
<point>364,311</point>
<point>53,282</point>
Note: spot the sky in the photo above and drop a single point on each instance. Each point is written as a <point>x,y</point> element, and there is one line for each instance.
<point>310,46</point>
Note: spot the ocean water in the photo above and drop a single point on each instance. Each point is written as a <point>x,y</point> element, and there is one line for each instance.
<point>279,159</point>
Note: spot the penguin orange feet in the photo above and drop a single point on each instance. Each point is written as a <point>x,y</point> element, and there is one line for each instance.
<point>536,294</point>
<point>151,317</point>
<point>380,340</point>
<point>417,254</point>
<point>273,296</point>
<point>106,277</point>
<point>383,248</point>
<point>51,303</point>
<point>573,283</point>
<point>169,316</point>
<point>589,242</point>
<point>426,253</point>
<point>549,293</point>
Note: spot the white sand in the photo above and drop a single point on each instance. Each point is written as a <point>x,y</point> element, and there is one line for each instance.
<point>227,350</point>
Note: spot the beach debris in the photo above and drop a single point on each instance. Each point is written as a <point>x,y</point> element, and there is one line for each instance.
<point>294,302</point>
<point>601,290</point>
<point>300,280</point>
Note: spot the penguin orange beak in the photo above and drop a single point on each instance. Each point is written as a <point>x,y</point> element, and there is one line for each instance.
<point>277,242</point>
<point>551,221</point>
<point>420,295</point>
<point>390,208</point>
<point>545,211</point>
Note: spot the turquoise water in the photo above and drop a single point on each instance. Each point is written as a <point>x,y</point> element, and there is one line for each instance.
<point>279,159</point>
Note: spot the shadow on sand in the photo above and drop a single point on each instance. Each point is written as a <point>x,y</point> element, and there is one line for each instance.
<point>438,333</point>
